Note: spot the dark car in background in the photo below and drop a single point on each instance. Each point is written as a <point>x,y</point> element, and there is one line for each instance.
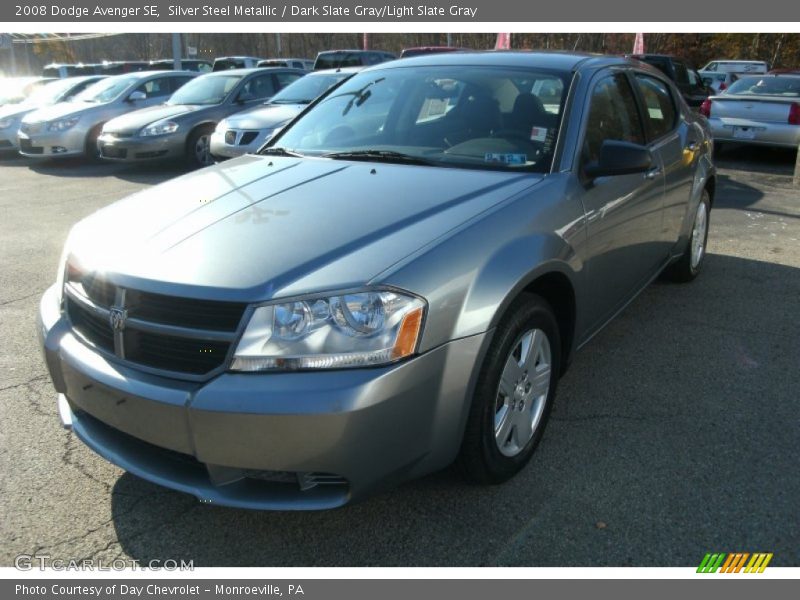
<point>182,127</point>
<point>187,64</point>
<point>420,50</point>
<point>335,59</point>
<point>693,89</point>
<point>224,63</point>
<point>292,63</point>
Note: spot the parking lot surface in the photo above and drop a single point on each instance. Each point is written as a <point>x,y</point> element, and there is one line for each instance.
<point>675,433</point>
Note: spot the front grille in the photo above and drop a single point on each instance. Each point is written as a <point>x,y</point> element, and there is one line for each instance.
<point>121,134</point>
<point>184,312</point>
<point>230,137</point>
<point>91,326</point>
<point>113,151</point>
<point>173,353</point>
<point>168,333</point>
<point>27,146</point>
<point>248,137</point>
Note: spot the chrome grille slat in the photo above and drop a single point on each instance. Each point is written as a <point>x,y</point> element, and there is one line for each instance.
<point>153,330</point>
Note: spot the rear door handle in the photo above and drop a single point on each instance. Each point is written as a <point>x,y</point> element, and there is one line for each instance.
<point>653,173</point>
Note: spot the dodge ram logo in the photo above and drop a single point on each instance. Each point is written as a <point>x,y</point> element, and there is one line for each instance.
<point>117,317</point>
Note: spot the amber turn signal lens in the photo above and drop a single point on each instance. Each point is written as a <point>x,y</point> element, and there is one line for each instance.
<point>407,336</point>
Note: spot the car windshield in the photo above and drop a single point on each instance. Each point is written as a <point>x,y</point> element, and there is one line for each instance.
<point>306,89</point>
<point>206,89</point>
<point>766,86</point>
<point>456,116</point>
<point>107,89</point>
<point>50,93</point>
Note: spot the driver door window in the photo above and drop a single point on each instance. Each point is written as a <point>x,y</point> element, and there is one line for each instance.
<point>613,115</point>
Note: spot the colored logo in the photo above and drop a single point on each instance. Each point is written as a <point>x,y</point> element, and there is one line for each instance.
<point>735,562</point>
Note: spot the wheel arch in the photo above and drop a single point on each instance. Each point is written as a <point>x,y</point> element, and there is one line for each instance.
<point>555,286</point>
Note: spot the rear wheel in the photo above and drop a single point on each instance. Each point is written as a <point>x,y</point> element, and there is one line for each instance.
<point>513,394</point>
<point>198,147</point>
<point>688,266</point>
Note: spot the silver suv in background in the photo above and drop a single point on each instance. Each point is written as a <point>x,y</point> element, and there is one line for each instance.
<point>72,128</point>
<point>396,282</point>
<point>182,127</point>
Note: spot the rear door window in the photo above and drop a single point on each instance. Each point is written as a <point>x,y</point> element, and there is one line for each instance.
<point>660,113</point>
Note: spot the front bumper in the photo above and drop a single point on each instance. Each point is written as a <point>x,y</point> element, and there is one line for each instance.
<point>748,131</point>
<point>50,144</point>
<point>136,148</point>
<point>331,436</point>
<point>221,149</point>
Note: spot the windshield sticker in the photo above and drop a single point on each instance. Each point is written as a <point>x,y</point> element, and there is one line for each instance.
<point>506,159</point>
<point>538,134</point>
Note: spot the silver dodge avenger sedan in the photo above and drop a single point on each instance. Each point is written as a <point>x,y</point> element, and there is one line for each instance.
<point>395,283</point>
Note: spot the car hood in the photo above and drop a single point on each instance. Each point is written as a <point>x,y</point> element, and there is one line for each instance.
<point>262,226</point>
<point>134,121</point>
<point>10,111</point>
<point>265,117</point>
<point>59,111</point>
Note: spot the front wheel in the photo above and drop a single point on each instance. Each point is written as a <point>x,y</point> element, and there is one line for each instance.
<point>688,266</point>
<point>198,148</point>
<point>513,394</point>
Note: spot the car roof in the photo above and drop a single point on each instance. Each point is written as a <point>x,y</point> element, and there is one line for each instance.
<point>244,72</point>
<point>334,71</point>
<point>565,61</point>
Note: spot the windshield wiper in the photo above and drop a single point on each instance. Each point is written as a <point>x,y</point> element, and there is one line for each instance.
<point>280,151</point>
<point>387,156</point>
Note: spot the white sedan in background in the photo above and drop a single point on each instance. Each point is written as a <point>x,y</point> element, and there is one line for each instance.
<point>760,109</point>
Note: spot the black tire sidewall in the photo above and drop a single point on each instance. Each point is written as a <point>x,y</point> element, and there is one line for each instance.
<point>530,312</point>
<point>195,135</point>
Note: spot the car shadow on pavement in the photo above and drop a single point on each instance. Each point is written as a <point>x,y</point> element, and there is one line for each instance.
<point>77,167</point>
<point>675,433</point>
<point>756,159</point>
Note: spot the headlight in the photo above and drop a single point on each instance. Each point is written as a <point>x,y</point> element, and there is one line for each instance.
<point>6,123</point>
<point>63,124</point>
<point>161,128</point>
<point>331,332</point>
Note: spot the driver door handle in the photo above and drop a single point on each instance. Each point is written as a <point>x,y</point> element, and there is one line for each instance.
<point>653,173</point>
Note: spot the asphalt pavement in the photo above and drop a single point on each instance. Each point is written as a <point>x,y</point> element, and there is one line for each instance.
<point>676,431</point>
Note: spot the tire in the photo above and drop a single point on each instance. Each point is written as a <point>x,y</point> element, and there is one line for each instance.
<point>195,156</point>
<point>495,447</point>
<point>90,150</point>
<point>689,265</point>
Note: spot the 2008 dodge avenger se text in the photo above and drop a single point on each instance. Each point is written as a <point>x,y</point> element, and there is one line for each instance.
<point>394,283</point>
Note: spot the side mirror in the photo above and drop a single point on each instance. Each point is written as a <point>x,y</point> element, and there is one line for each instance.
<point>619,158</point>
<point>245,96</point>
<point>137,96</point>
